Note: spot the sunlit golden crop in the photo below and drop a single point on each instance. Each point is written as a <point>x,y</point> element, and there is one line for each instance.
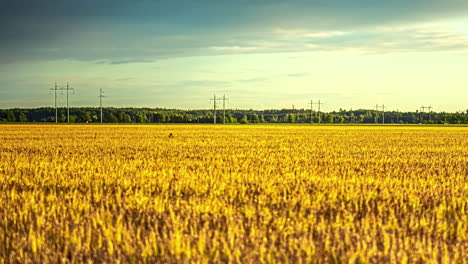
<point>240,194</point>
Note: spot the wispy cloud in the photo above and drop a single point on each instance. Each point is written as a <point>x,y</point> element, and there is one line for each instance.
<point>236,49</point>
<point>303,33</point>
<point>122,32</point>
<point>298,74</point>
<point>376,40</point>
<point>252,80</point>
<point>124,61</point>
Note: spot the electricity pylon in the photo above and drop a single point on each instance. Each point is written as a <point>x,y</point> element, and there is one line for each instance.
<point>101,95</point>
<point>214,99</point>
<point>55,89</point>
<point>68,88</point>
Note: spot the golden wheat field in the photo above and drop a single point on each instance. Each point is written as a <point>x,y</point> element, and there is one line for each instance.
<point>233,194</point>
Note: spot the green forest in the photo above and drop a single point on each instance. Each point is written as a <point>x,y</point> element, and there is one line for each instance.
<point>160,115</point>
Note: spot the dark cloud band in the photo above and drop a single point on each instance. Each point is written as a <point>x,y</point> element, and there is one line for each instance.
<point>125,30</point>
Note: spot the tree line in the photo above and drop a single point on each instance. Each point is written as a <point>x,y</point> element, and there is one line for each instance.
<point>161,115</point>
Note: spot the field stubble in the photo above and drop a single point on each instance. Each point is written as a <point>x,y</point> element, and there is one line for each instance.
<point>244,194</point>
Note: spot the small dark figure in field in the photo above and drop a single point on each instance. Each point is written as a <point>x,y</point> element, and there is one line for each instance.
<point>170,135</point>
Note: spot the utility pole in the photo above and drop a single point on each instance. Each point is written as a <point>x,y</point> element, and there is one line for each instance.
<point>214,101</point>
<point>430,111</point>
<point>421,113</point>
<point>311,111</point>
<point>319,104</point>
<point>214,108</point>
<point>376,112</point>
<point>319,114</point>
<point>101,95</point>
<point>398,116</point>
<point>224,108</point>
<point>55,89</point>
<point>423,109</point>
<point>68,108</point>
<point>320,118</point>
<point>377,109</point>
<point>383,114</point>
<point>421,117</point>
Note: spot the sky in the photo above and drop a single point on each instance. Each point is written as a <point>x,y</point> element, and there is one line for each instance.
<point>261,54</point>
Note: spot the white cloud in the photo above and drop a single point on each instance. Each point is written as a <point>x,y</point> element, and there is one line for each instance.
<point>233,48</point>
<point>378,40</point>
<point>303,33</point>
<point>130,48</point>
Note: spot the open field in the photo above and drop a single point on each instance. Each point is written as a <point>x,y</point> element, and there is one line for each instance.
<point>243,194</point>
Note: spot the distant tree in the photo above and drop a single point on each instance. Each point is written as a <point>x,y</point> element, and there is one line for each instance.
<point>413,118</point>
<point>22,118</point>
<point>11,116</point>
<point>87,117</point>
<point>187,118</point>
<point>158,118</point>
<point>255,118</point>
<point>262,119</point>
<point>112,118</point>
<point>128,118</point>
<point>352,118</point>
<point>228,119</point>
<point>62,118</point>
<point>361,119</point>
<point>125,118</point>
<point>73,118</point>
<point>141,118</point>
<point>121,117</point>
<point>231,119</point>
<point>340,119</point>
<point>368,118</point>
<point>301,118</point>
<point>220,119</point>
<point>124,115</point>
<point>244,120</point>
<point>317,119</point>
<point>167,118</point>
<point>177,118</point>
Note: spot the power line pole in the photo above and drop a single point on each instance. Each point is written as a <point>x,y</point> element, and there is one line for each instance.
<point>224,108</point>
<point>421,114</point>
<point>55,89</point>
<point>214,101</point>
<point>319,117</point>
<point>68,88</point>
<point>383,114</point>
<point>214,108</point>
<point>376,112</point>
<point>319,104</point>
<point>311,111</point>
<point>377,109</point>
<point>430,111</point>
<point>423,109</point>
<point>101,95</point>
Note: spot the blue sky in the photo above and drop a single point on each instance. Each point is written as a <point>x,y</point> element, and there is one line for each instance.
<point>261,53</point>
